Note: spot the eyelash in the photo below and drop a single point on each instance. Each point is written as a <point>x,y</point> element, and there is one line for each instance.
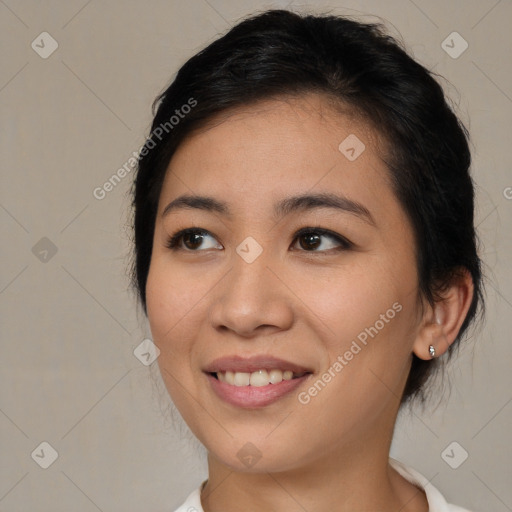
<point>174,240</point>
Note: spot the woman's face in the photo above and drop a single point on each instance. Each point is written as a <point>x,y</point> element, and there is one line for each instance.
<point>334,307</point>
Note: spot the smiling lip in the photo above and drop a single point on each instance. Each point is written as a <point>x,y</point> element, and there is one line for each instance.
<point>253,364</point>
<point>252,397</point>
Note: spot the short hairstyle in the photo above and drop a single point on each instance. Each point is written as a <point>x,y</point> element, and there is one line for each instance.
<point>280,53</point>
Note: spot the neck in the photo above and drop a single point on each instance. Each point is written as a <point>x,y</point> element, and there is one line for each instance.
<point>351,476</point>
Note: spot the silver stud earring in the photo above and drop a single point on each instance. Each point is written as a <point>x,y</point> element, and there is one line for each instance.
<point>432,351</point>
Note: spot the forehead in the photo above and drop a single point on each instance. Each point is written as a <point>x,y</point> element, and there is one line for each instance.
<point>307,118</point>
<point>280,147</point>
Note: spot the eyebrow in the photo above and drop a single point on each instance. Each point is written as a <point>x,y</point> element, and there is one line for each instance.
<point>282,208</point>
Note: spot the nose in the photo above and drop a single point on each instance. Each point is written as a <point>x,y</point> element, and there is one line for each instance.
<point>252,299</point>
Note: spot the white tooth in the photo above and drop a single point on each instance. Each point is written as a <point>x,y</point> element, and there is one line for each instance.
<point>242,379</point>
<point>259,378</point>
<point>275,376</point>
<point>230,378</point>
<point>221,376</point>
<point>288,375</point>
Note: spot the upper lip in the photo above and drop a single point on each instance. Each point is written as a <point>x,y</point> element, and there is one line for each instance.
<point>252,364</point>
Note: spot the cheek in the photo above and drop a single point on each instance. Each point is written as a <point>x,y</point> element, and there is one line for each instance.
<point>170,297</point>
<point>368,312</point>
<point>352,298</point>
<point>167,306</point>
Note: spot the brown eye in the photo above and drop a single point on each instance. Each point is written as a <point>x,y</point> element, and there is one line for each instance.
<point>311,241</point>
<point>191,240</point>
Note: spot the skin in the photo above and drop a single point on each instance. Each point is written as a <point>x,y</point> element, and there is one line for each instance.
<point>303,303</point>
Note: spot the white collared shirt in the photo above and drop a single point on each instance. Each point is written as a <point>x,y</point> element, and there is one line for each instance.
<point>436,501</point>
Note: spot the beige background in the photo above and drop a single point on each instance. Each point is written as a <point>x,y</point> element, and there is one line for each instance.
<point>69,376</point>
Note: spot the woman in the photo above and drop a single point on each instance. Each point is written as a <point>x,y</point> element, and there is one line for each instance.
<point>305,253</point>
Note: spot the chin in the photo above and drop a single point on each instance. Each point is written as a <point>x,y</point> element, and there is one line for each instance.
<point>256,457</point>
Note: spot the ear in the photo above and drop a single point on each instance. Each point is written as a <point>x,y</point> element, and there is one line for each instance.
<point>442,322</point>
